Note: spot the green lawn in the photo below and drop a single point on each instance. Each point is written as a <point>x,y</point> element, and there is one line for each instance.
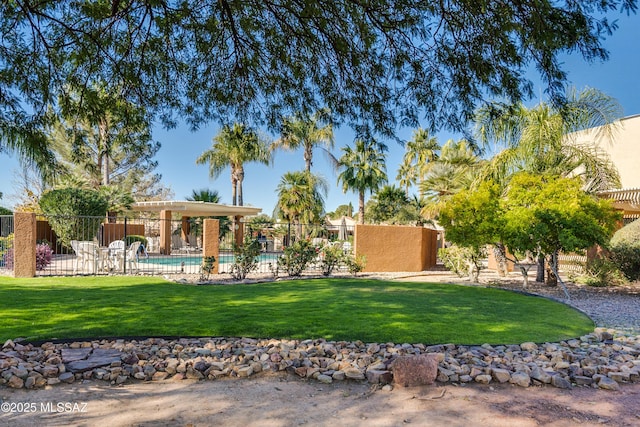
<point>335,309</point>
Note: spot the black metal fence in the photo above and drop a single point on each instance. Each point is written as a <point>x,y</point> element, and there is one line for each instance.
<point>123,245</point>
<point>6,242</point>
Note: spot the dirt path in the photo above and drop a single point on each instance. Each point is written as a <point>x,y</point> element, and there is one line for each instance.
<point>276,400</point>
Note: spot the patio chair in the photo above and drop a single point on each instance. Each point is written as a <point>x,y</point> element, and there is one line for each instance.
<point>86,255</point>
<point>116,254</point>
<point>132,255</point>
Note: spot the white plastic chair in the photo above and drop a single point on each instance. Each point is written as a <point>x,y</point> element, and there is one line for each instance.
<point>86,255</point>
<point>116,254</point>
<point>132,255</point>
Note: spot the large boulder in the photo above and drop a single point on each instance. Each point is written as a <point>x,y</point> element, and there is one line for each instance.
<point>412,371</point>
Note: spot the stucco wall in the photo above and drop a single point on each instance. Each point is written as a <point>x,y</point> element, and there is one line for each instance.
<point>624,148</point>
<point>211,241</point>
<point>24,244</point>
<point>395,248</point>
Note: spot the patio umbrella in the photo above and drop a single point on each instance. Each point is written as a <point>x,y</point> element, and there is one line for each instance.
<point>342,231</point>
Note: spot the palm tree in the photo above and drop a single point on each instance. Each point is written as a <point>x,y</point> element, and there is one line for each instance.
<point>543,139</point>
<point>420,153</point>
<point>209,196</point>
<point>363,169</point>
<point>308,132</point>
<point>301,198</point>
<point>234,146</point>
<point>456,169</point>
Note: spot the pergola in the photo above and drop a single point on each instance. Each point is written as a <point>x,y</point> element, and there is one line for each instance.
<point>189,209</point>
<point>627,200</point>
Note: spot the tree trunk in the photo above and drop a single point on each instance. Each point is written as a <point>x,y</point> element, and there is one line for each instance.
<point>552,276</point>
<point>240,179</point>
<point>308,155</point>
<point>499,253</point>
<point>361,207</point>
<point>104,168</point>
<point>234,188</point>
<point>540,269</point>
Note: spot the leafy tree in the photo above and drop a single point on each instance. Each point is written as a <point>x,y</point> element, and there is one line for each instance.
<point>386,205</point>
<point>473,219</point>
<point>363,168</point>
<point>542,140</point>
<point>555,215</point>
<point>387,61</point>
<point>234,146</point>
<point>308,132</point>
<point>420,153</point>
<point>74,213</point>
<point>301,198</point>
<point>342,210</point>
<point>538,214</point>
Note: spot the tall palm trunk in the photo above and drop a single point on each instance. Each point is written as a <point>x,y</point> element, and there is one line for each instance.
<point>308,155</point>
<point>240,178</point>
<point>361,207</point>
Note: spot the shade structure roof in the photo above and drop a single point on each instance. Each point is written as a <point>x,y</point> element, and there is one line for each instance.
<point>191,208</point>
<point>627,199</point>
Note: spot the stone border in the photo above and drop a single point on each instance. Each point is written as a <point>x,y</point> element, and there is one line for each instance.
<point>603,359</point>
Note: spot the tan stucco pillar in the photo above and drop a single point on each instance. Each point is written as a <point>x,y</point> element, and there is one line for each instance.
<point>165,232</point>
<point>239,229</point>
<point>24,244</point>
<point>186,228</point>
<point>211,241</point>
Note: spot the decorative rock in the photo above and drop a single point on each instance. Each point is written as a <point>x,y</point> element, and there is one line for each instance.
<point>67,377</point>
<point>354,374</point>
<point>245,372</point>
<point>560,382</point>
<point>529,346</point>
<point>483,379</point>
<point>339,376</point>
<point>15,381</point>
<point>521,379</point>
<point>379,377</point>
<point>500,375</point>
<point>159,376</point>
<point>325,379</point>
<point>411,371</point>
<point>607,383</point>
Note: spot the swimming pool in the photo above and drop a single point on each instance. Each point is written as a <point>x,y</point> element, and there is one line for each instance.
<point>178,260</point>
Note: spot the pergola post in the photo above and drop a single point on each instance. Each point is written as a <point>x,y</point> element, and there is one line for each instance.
<point>165,232</point>
<point>239,229</point>
<point>186,228</point>
<point>211,241</point>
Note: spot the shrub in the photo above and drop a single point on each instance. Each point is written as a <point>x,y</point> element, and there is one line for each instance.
<point>462,261</point>
<point>330,258</point>
<point>355,264</point>
<point>625,250</point>
<point>297,257</point>
<point>5,211</point>
<point>7,259</point>
<point>601,272</point>
<point>74,213</point>
<point>43,256</point>
<point>208,264</point>
<point>245,258</point>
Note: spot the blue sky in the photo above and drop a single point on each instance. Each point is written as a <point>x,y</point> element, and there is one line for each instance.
<point>180,147</point>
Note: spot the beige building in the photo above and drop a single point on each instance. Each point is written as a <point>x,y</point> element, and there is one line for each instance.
<point>623,146</point>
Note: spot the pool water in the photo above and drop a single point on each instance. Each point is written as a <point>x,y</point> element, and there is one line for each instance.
<point>195,260</point>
